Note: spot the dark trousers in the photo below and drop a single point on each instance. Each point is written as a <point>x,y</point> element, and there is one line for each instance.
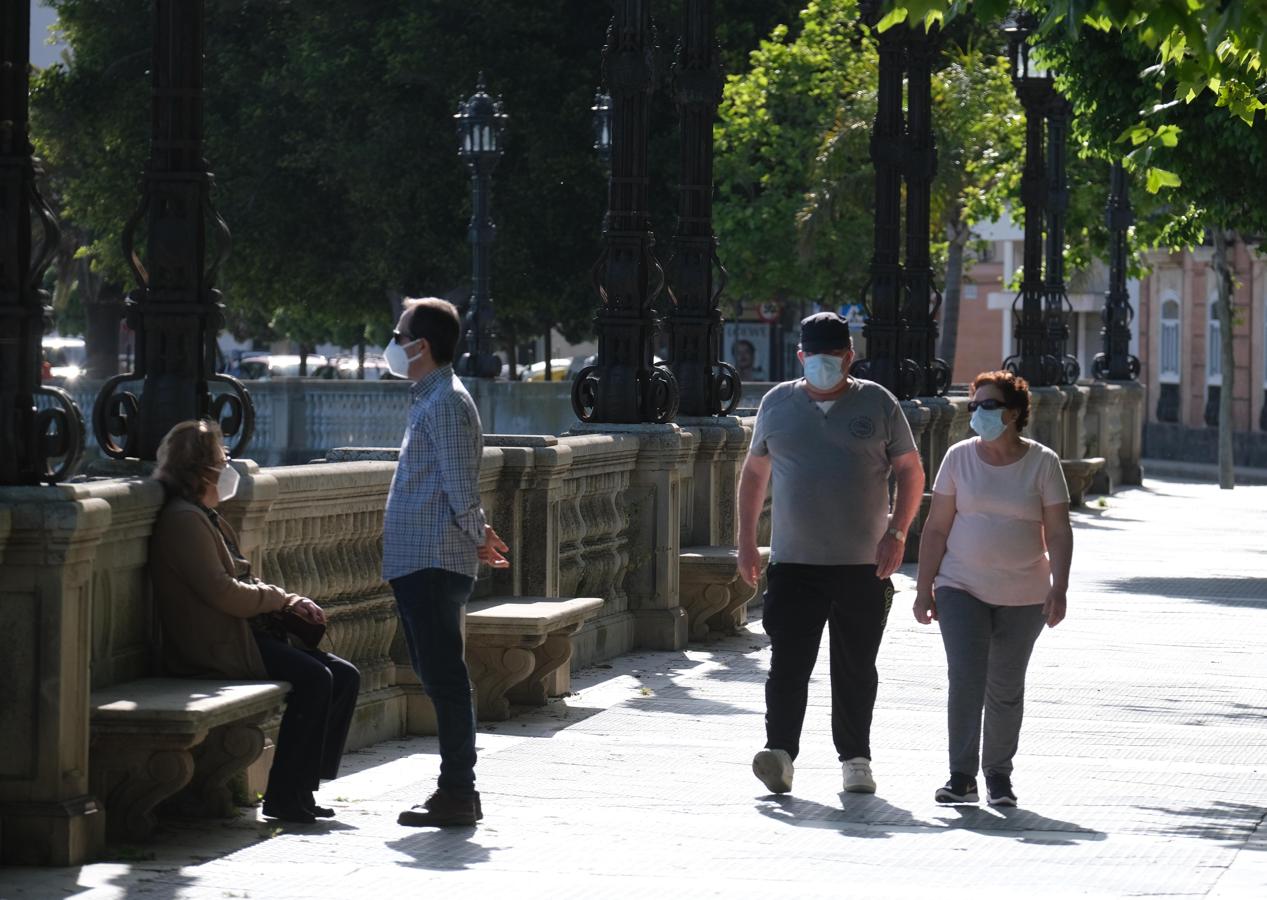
<point>431,603</point>
<point>799,601</point>
<point>314,730</point>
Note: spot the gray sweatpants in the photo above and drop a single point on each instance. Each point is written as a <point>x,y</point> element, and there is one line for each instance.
<point>987,652</point>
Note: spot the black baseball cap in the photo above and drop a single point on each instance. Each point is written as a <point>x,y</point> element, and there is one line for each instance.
<point>824,332</point>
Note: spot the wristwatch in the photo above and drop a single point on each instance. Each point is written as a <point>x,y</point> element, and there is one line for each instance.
<point>897,533</point>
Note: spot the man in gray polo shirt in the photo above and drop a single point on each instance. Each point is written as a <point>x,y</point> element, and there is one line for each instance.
<point>830,442</point>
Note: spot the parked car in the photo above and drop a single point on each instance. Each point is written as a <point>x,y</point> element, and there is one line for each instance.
<point>537,371</point>
<point>263,366</point>
<point>345,368</point>
<point>65,359</point>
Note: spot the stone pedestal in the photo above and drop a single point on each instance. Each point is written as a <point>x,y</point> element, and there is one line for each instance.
<point>1104,434</point>
<point>47,816</point>
<point>918,416</point>
<point>721,444</point>
<point>1046,418</point>
<point>1133,418</point>
<point>1075,430</point>
<point>937,440</point>
<point>653,505</point>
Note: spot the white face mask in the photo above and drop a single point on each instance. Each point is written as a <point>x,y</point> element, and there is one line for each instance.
<point>227,485</point>
<point>397,358</point>
<point>988,423</point>
<point>824,371</point>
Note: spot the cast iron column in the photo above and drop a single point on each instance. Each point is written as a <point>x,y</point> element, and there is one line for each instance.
<point>1030,360</point>
<point>883,295</point>
<point>1116,363</point>
<point>30,439</point>
<point>922,297</point>
<point>624,385</point>
<point>480,126</point>
<point>175,311</point>
<point>1056,306</point>
<point>709,387</point>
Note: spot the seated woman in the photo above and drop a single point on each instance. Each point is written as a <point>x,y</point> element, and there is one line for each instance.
<point>220,622</point>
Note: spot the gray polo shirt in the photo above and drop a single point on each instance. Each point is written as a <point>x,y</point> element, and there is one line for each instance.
<point>830,470</point>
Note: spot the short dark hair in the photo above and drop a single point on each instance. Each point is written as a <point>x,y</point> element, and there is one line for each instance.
<point>1015,392</point>
<point>437,322</point>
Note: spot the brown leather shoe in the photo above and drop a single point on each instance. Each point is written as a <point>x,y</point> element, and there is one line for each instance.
<point>443,808</point>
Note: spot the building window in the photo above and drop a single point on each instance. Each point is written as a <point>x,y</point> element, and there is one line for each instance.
<point>1213,345</point>
<point>1168,368</point>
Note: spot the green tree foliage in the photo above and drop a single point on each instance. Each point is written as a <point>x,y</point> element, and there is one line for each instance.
<point>1194,49</point>
<point>330,131</point>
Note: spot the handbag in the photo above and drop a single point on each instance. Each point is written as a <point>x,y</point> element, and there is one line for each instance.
<point>308,633</point>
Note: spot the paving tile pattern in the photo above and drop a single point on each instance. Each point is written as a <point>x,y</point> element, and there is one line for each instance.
<point>1142,771</point>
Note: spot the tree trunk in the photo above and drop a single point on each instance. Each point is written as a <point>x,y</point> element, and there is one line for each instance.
<point>1224,240</point>
<point>549,354</point>
<point>512,353</point>
<point>360,361</point>
<point>303,360</point>
<point>957,233</point>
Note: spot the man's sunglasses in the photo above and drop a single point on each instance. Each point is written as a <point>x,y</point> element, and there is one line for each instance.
<point>988,404</point>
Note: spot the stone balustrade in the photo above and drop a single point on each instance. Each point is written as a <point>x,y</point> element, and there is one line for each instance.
<point>603,512</point>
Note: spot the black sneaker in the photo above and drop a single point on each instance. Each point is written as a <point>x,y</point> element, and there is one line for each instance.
<point>998,790</point>
<point>960,788</point>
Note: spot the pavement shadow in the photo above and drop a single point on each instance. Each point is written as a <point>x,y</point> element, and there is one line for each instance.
<point>1223,591</point>
<point>858,815</point>
<point>1228,823</point>
<point>1012,821</point>
<point>443,849</point>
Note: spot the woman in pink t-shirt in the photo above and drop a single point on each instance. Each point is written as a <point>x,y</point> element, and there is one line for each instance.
<point>997,546</point>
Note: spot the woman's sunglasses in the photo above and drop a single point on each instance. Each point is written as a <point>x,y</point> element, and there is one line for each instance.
<point>989,404</point>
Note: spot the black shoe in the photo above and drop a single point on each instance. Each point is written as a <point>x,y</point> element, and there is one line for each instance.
<point>308,802</point>
<point>998,790</point>
<point>443,808</point>
<point>288,811</point>
<point>960,788</point>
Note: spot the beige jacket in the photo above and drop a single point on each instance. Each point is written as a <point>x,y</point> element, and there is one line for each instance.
<point>203,606</point>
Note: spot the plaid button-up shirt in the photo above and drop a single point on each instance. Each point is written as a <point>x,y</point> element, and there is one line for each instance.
<point>434,519</point>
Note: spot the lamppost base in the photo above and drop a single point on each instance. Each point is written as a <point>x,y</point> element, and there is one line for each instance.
<point>478,365</point>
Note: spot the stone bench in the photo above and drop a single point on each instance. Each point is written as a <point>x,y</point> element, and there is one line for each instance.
<point>1079,474</point>
<point>184,739</point>
<point>712,593</point>
<point>519,648</point>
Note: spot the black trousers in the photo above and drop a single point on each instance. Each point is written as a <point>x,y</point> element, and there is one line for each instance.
<point>314,729</point>
<point>799,601</point>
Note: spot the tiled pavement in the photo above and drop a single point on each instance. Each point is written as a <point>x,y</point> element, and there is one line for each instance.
<point>1143,765</point>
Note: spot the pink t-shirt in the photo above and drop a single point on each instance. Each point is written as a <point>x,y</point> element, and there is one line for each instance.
<point>995,550</point>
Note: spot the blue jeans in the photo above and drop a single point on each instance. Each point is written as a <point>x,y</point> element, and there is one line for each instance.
<point>430,603</point>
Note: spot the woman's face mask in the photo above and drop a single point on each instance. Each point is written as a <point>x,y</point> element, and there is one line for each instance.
<point>988,423</point>
<point>227,484</point>
<point>397,357</point>
<point>824,371</point>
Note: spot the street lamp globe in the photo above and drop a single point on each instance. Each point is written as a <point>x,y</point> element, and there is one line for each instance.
<point>602,110</point>
<point>1017,29</point>
<point>481,123</point>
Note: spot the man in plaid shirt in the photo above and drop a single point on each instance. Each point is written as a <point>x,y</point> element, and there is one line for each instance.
<point>434,539</point>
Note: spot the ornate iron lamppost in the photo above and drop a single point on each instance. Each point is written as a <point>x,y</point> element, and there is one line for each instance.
<point>31,440</point>
<point>1040,310</point>
<point>481,124</point>
<point>1116,363</point>
<point>901,301</point>
<point>176,311</point>
<point>922,297</point>
<point>709,387</point>
<point>625,385</point>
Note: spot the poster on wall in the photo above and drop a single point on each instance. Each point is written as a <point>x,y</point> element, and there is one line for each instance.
<point>747,348</point>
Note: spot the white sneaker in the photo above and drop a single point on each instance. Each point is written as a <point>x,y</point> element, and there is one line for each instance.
<point>857,772</point>
<point>774,768</point>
